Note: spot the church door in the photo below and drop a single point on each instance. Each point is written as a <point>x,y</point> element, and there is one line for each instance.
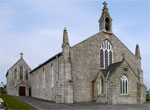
<point>22,91</point>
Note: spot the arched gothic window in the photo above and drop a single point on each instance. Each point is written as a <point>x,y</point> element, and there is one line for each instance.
<point>52,75</point>
<point>43,77</point>
<point>21,72</point>
<point>15,74</point>
<point>26,75</point>
<point>124,85</point>
<point>106,54</point>
<point>38,78</point>
<point>100,86</point>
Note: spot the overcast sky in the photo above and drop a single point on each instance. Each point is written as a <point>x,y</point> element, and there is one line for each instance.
<point>35,27</point>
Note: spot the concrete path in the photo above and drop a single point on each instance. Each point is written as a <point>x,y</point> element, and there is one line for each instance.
<point>47,105</point>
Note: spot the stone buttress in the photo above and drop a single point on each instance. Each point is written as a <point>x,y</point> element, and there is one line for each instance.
<point>64,87</point>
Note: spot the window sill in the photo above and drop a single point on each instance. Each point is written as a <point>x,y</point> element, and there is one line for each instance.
<point>101,95</point>
<point>124,95</point>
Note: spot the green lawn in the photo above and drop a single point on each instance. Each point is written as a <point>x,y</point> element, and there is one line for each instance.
<point>12,103</point>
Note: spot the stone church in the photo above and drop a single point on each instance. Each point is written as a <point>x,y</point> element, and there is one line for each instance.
<point>99,69</point>
<point>18,78</point>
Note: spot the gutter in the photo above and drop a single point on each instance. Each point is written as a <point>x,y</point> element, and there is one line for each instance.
<point>106,82</point>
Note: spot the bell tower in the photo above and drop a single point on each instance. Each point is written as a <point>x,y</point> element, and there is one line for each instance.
<point>105,21</point>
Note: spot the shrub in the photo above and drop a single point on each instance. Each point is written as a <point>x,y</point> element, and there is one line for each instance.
<point>147,97</point>
<point>2,91</point>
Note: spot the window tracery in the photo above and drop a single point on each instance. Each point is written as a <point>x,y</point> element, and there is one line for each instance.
<point>124,85</point>
<point>106,54</point>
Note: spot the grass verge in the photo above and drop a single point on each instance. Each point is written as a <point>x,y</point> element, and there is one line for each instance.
<point>12,103</point>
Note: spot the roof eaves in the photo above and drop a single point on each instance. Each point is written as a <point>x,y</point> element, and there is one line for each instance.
<point>59,54</point>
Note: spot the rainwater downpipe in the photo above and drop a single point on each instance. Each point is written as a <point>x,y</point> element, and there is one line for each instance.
<point>107,86</point>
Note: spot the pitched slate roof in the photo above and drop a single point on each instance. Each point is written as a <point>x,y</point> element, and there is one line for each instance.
<point>111,68</point>
<point>46,62</point>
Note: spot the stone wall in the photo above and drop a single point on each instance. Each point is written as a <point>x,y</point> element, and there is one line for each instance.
<point>85,58</point>
<point>114,90</point>
<point>44,79</point>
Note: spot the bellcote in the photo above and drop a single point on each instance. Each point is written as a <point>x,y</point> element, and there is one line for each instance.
<point>105,21</point>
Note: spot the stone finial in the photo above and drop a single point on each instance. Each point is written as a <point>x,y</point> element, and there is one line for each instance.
<point>21,55</point>
<point>65,38</point>
<point>137,52</point>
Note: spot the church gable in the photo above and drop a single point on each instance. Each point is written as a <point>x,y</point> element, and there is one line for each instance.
<point>19,63</point>
<point>17,74</point>
<point>123,83</point>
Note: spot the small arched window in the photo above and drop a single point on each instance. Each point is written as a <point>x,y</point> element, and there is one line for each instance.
<point>38,83</point>
<point>26,75</point>
<point>21,72</point>
<point>52,75</point>
<point>43,80</point>
<point>100,86</point>
<point>15,74</point>
<point>106,54</point>
<point>124,85</point>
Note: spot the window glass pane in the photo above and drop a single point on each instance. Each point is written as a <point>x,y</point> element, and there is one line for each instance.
<point>106,58</point>
<point>120,86</point>
<point>15,74</point>
<point>124,85</point>
<point>26,74</point>
<point>106,54</point>
<point>110,57</point>
<point>101,58</point>
<point>21,72</point>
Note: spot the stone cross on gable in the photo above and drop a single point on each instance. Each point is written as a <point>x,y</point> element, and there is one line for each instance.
<point>105,5</point>
<point>21,55</point>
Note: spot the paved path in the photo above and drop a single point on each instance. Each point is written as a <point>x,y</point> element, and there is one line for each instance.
<point>47,105</point>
